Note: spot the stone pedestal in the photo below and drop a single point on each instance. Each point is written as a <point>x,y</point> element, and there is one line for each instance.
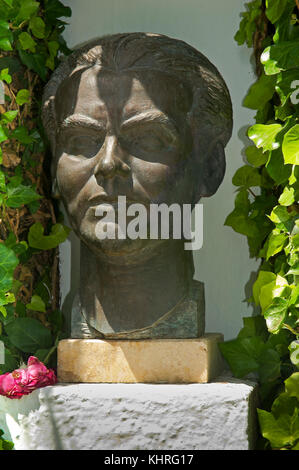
<point>218,415</point>
<point>144,361</point>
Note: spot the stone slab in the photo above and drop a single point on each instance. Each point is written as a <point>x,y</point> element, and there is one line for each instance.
<point>144,361</point>
<point>214,416</point>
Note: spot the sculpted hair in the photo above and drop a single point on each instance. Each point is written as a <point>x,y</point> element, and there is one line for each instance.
<point>210,116</point>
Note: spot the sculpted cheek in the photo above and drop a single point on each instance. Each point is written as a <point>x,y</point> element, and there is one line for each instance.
<point>72,175</point>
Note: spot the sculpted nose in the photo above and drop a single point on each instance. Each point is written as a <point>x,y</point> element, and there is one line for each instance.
<point>110,161</point>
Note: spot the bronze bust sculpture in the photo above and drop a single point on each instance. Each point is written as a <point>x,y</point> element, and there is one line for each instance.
<point>147,117</point>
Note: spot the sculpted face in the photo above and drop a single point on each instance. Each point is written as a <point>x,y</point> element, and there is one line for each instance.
<point>121,134</point>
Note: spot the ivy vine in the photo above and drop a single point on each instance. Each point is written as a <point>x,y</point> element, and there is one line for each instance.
<point>31,227</point>
<point>267,213</point>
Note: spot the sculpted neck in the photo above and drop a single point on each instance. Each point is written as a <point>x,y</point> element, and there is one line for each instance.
<point>123,297</point>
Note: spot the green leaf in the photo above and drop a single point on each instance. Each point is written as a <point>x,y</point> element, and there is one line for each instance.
<point>275,314</point>
<point>3,134</point>
<point>285,84</point>
<point>279,214</point>
<point>28,335</point>
<point>294,357</point>
<point>37,27</point>
<point>292,385</point>
<point>254,326</point>
<point>263,135</point>
<point>281,56</point>
<point>242,224</point>
<point>23,96</point>
<point>264,277</point>
<point>242,354</point>
<point>55,9</point>
<point>21,134</point>
<point>6,36</point>
<point>260,92</point>
<point>287,197</point>
<point>290,146</point>
<point>274,9</point>
<point>247,176</point>
<point>269,366</point>
<point>275,244</point>
<point>8,263</point>
<point>276,167</point>
<point>4,75</point>
<point>37,304</point>
<point>20,195</point>
<point>9,116</point>
<point>37,239</point>
<point>255,156</point>
<point>281,432</point>
<point>35,62</point>
<point>27,9</point>
<point>26,42</point>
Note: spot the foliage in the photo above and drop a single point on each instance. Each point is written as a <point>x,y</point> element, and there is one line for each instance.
<point>267,212</point>
<point>4,443</point>
<point>31,227</point>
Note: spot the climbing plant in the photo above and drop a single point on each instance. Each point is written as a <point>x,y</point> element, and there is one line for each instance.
<point>267,212</point>
<point>31,227</point>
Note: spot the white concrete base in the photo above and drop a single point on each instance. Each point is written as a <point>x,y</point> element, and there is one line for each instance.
<point>218,415</point>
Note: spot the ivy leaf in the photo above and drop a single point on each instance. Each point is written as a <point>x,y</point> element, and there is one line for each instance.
<point>290,146</point>
<point>276,167</point>
<point>23,96</point>
<point>55,9</point>
<point>242,354</point>
<point>37,304</point>
<point>35,62</point>
<point>287,197</point>
<point>20,195</point>
<point>28,334</point>
<point>281,56</point>
<point>37,27</point>
<point>274,9</point>
<point>3,134</point>
<point>9,116</point>
<point>263,135</point>
<point>247,176</point>
<point>294,357</point>
<point>26,42</point>
<point>4,75</point>
<point>21,134</point>
<point>269,366</point>
<point>275,244</point>
<point>281,432</point>
<point>241,223</point>
<point>8,263</point>
<point>279,215</point>
<point>37,239</point>
<point>255,156</point>
<point>6,36</point>
<point>27,9</point>
<point>264,277</point>
<point>292,385</point>
<point>260,92</point>
<point>275,314</point>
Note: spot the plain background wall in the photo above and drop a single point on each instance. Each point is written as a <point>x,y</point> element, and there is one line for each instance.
<point>223,263</point>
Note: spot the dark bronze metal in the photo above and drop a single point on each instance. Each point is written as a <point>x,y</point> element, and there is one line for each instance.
<point>147,117</point>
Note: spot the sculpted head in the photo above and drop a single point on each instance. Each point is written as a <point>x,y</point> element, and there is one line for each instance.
<point>136,114</point>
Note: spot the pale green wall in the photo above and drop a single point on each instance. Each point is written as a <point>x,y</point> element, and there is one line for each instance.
<point>209,25</point>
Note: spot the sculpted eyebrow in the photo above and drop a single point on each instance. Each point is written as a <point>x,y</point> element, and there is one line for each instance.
<point>79,120</point>
<point>152,117</point>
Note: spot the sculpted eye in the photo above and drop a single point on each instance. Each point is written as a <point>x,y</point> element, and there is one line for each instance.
<point>86,146</point>
<point>149,141</point>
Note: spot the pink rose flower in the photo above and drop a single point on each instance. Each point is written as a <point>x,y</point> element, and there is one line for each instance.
<point>23,381</point>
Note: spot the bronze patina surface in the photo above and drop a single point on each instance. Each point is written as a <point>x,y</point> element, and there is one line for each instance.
<point>147,117</point>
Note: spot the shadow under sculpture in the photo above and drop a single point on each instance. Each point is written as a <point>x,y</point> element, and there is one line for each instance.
<point>147,117</point>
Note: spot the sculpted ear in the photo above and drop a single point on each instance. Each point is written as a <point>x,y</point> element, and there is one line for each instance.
<point>211,172</point>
